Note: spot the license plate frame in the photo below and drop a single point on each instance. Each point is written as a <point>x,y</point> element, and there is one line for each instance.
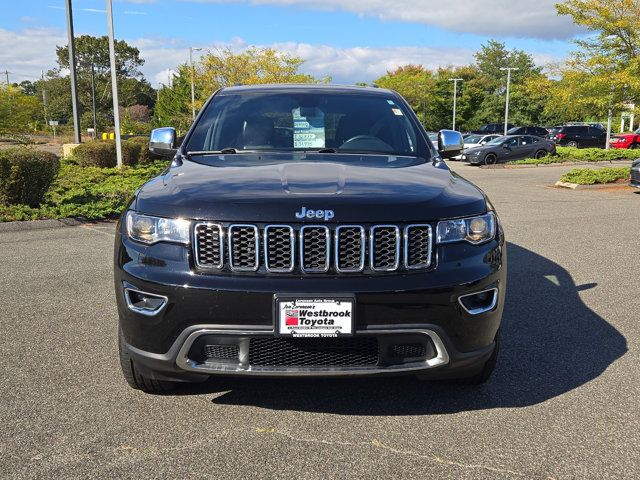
<point>332,303</point>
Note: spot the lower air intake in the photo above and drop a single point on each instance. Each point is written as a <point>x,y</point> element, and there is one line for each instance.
<point>313,352</point>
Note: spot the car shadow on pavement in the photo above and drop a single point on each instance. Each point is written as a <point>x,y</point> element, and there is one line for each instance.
<point>552,343</point>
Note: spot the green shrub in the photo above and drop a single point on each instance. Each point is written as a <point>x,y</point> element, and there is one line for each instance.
<point>588,176</point>
<point>87,192</point>
<point>596,154</point>
<point>97,153</point>
<point>141,145</point>
<point>25,175</point>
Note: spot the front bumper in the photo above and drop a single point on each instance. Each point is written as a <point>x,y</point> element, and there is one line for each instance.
<point>234,310</point>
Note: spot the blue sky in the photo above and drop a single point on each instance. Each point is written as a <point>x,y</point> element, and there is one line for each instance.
<point>351,40</point>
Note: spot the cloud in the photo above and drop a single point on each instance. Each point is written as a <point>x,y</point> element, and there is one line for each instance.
<point>27,57</point>
<point>344,65</point>
<point>93,10</point>
<point>497,18</point>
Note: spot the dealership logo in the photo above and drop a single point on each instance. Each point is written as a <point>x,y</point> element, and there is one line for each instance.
<point>315,214</point>
<point>291,318</point>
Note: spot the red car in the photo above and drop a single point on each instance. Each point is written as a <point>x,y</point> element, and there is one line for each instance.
<point>626,140</point>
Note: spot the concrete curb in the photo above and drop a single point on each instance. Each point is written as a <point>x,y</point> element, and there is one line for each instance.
<point>596,186</point>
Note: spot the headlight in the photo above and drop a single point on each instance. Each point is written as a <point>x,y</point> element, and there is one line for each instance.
<point>147,229</point>
<point>474,230</point>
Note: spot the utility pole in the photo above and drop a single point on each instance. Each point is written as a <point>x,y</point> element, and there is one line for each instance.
<point>72,75</point>
<point>114,84</point>
<point>506,108</point>
<point>93,98</point>
<point>6,73</point>
<point>455,97</point>
<point>193,88</point>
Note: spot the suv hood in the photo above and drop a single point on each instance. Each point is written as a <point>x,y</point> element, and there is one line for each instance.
<point>274,192</point>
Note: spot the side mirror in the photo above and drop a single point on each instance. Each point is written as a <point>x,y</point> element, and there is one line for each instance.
<point>163,142</point>
<point>450,143</point>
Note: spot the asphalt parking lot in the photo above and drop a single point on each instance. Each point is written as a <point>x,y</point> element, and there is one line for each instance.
<point>564,402</point>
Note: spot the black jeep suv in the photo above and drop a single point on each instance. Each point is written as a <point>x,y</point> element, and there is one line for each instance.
<point>307,230</point>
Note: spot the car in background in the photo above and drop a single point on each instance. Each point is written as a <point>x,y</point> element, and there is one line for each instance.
<point>580,136</point>
<point>626,140</point>
<point>493,128</point>
<point>536,131</point>
<point>508,148</point>
<point>433,136</point>
<point>475,140</point>
<point>635,173</point>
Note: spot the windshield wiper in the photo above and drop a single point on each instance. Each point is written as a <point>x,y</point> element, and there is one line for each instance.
<point>327,150</point>
<point>224,151</point>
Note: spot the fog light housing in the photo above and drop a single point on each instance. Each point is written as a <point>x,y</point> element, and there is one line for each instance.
<point>479,302</point>
<point>144,303</point>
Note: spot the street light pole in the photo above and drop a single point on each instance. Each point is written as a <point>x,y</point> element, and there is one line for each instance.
<point>93,98</point>
<point>114,84</point>
<point>506,108</point>
<point>455,97</point>
<point>72,74</point>
<point>193,88</point>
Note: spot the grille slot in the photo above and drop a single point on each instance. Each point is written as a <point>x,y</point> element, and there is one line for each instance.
<point>417,246</point>
<point>243,247</point>
<point>221,352</point>
<point>314,249</point>
<point>385,248</point>
<point>209,250</point>
<point>279,248</point>
<point>313,352</point>
<point>350,248</point>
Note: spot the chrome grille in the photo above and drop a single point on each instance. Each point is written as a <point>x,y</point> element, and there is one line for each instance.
<point>385,248</point>
<point>243,247</point>
<point>279,248</point>
<point>417,246</point>
<point>349,248</point>
<point>209,245</point>
<point>312,249</point>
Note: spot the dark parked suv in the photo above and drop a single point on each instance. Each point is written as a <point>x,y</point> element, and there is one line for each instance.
<point>493,128</point>
<point>535,131</point>
<point>580,136</point>
<point>307,230</point>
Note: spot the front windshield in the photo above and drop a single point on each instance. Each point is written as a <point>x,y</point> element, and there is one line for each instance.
<point>496,141</point>
<point>290,121</point>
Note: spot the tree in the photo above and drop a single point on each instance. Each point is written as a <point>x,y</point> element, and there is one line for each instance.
<point>603,74</point>
<point>95,50</point>
<point>415,84</point>
<point>133,89</point>
<point>19,113</point>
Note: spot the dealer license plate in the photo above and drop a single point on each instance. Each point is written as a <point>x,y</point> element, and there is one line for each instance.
<point>314,317</point>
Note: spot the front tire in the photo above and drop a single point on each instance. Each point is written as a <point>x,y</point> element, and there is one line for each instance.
<point>634,146</point>
<point>540,154</point>
<point>490,365</point>
<point>573,144</point>
<point>133,376</point>
<point>490,159</point>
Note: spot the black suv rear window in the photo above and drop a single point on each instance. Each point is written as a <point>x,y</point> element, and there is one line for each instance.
<point>307,121</point>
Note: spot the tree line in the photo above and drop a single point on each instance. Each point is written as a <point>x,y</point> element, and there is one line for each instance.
<point>599,76</point>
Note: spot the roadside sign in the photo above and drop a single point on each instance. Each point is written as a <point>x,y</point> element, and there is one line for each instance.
<point>54,123</point>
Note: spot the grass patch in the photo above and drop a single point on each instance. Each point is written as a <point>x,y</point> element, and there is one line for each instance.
<point>568,155</point>
<point>588,176</point>
<point>86,192</point>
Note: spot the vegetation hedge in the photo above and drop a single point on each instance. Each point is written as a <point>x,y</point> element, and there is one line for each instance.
<point>141,146</point>
<point>102,154</point>
<point>25,175</point>
<point>588,176</point>
<point>569,154</point>
<point>86,192</point>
